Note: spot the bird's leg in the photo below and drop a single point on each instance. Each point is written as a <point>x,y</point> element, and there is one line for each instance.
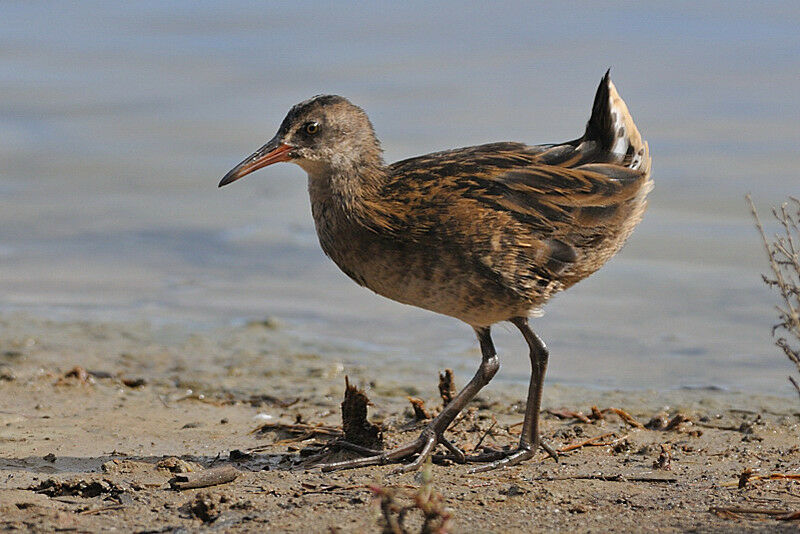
<point>529,440</point>
<point>432,435</point>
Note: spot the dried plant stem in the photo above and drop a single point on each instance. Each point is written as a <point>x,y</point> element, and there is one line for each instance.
<point>784,260</point>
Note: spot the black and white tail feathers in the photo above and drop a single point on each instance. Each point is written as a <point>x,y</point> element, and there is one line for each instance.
<point>612,128</point>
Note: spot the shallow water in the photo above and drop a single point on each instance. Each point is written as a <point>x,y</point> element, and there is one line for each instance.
<point>116,124</point>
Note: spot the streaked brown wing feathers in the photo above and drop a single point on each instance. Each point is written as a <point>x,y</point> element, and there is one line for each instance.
<point>596,184</point>
<point>532,219</point>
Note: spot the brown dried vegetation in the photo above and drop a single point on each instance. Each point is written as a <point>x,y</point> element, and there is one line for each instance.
<point>396,516</point>
<point>784,261</point>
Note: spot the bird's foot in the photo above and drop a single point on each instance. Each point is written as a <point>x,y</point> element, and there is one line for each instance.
<point>499,459</point>
<point>509,458</point>
<point>423,447</point>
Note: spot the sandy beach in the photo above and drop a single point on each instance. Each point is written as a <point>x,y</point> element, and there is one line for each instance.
<point>96,419</point>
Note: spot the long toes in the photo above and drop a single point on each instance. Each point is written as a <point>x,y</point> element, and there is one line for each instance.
<point>459,455</point>
<point>364,451</point>
<point>352,464</point>
<point>488,455</point>
<point>421,445</point>
<point>426,451</point>
<point>549,450</point>
<point>513,459</point>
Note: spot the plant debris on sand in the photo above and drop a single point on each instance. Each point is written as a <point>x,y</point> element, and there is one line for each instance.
<point>357,430</point>
<point>425,501</point>
<point>80,457</point>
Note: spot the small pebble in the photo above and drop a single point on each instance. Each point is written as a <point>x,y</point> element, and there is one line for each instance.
<point>134,382</point>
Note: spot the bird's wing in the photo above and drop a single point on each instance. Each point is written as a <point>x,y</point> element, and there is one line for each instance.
<point>546,188</point>
<point>523,215</point>
<point>552,199</point>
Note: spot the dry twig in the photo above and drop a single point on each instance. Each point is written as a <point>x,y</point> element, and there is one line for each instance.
<point>357,429</point>
<point>625,416</point>
<point>611,478</point>
<point>591,442</point>
<point>203,479</point>
<point>485,434</point>
<point>426,500</point>
<point>771,476</point>
<point>569,414</point>
<point>299,431</point>
<point>418,405</point>
<point>596,415</point>
<point>95,511</point>
<point>733,511</point>
<point>784,261</point>
<point>447,386</point>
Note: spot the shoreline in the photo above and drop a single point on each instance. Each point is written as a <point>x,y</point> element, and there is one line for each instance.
<point>273,336</point>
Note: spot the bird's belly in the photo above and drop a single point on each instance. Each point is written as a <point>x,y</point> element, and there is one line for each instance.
<point>433,280</point>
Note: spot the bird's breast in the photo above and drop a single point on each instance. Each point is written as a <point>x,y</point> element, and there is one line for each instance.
<point>423,273</point>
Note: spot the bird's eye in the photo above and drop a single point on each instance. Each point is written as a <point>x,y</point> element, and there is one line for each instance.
<point>312,127</point>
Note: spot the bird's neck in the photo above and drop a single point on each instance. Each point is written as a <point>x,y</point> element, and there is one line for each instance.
<point>345,189</point>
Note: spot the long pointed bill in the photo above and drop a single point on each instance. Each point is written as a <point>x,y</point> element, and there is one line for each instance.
<point>272,152</point>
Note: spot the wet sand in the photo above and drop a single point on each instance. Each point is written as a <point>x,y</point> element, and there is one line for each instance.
<point>94,448</point>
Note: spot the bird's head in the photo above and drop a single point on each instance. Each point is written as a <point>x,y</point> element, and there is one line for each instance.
<point>322,135</point>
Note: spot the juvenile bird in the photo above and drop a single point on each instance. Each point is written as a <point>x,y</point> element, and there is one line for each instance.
<point>484,234</point>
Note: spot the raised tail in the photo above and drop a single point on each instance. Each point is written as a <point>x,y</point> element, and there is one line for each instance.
<point>612,128</point>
